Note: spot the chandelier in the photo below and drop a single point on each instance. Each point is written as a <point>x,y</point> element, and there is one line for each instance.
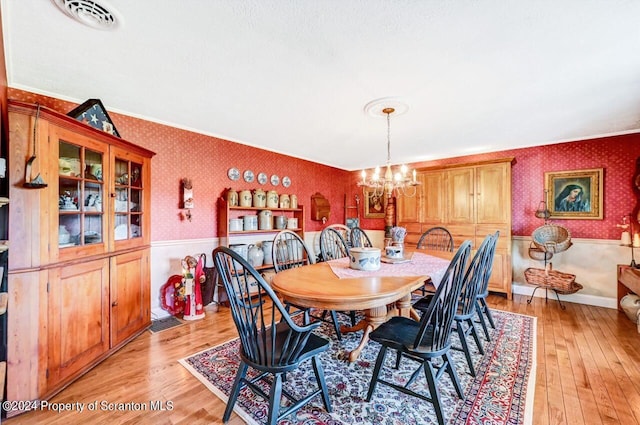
<point>398,182</point>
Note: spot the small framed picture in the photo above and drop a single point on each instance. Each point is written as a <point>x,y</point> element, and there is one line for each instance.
<point>575,194</point>
<point>93,113</point>
<point>374,204</point>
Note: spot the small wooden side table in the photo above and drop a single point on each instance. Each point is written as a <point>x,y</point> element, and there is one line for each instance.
<point>628,281</point>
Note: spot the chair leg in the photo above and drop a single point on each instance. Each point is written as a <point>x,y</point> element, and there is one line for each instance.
<point>376,372</point>
<point>235,390</point>
<point>486,310</point>
<point>474,333</point>
<point>319,372</point>
<point>430,374</point>
<point>465,346</point>
<point>398,358</point>
<point>336,325</point>
<point>482,321</point>
<point>452,374</point>
<point>275,395</point>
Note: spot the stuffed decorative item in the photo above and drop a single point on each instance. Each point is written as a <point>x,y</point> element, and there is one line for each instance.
<point>192,279</point>
<point>172,295</point>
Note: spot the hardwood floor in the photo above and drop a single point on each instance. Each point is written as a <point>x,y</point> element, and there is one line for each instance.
<point>588,371</point>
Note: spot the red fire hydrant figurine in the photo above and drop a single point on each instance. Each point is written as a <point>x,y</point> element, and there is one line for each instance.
<point>192,277</point>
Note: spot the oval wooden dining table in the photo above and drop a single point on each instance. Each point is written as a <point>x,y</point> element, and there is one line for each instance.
<point>317,286</point>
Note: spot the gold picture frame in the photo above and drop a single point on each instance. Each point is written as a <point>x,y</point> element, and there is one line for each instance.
<point>374,205</point>
<point>575,195</point>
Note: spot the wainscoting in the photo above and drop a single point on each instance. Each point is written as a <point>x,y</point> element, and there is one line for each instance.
<point>593,261</point>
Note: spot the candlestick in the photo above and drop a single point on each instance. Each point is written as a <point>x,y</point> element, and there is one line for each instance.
<point>414,176</point>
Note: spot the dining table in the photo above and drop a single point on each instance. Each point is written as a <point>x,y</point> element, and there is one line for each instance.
<point>380,294</point>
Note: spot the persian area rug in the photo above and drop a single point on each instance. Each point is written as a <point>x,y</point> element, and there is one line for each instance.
<point>501,393</point>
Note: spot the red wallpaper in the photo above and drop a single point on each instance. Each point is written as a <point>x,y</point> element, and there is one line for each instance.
<point>616,155</point>
<point>206,159</point>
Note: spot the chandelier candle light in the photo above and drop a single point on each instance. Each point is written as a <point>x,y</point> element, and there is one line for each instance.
<point>399,181</point>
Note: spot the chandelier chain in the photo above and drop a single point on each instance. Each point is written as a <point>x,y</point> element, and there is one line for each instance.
<point>388,137</point>
<point>390,183</point>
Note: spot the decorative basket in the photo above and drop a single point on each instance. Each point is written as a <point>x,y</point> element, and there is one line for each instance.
<point>552,238</point>
<point>563,283</point>
<point>539,254</point>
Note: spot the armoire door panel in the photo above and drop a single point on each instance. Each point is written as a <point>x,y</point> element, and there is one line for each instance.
<point>129,297</point>
<point>78,331</point>
<point>493,194</point>
<point>460,201</point>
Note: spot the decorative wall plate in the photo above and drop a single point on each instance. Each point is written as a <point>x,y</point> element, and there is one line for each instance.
<point>262,178</point>
<point>286,181</point>
<point>275,180</point>
<point>233,174</point>
<point>248,176</point>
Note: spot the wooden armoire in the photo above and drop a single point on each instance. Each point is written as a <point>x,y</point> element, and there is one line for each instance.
<point>470,200</point>
<point>79,273</point>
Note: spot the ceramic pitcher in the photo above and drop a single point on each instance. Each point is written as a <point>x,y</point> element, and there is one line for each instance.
<point>267,249</point>
<point>272,199</point>
<point>255,255</point>
<point>245,198</point>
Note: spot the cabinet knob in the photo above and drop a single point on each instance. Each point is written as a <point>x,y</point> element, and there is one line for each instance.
<point>114,304</point>
<point>112,195</point>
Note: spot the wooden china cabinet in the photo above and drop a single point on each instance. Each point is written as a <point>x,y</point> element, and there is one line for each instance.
<point>471,200</point>
<point>79,279</point>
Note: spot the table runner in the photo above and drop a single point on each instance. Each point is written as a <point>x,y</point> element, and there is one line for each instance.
<point>420,264</point>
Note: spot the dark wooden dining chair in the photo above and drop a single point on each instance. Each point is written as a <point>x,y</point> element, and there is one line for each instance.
<point>359,238</point>
<point>334,246</point>
<point>289,251</point>
<point>344,231</point>
<point>472,283</point>
<point>270,341</point>
<point>428,339</point>
<point>436,238</point>
<point>482,309</point>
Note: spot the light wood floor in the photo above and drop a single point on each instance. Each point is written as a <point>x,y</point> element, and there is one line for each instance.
<point>588,371</point>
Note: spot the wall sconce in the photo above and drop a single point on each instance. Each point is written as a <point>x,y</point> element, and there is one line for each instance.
<point>187,197</point>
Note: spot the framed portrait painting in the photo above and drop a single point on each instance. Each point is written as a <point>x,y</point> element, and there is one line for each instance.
<point>575,194</point>
<point>374,204</point>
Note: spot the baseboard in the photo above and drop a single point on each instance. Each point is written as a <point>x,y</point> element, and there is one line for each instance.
<point>577,298</point>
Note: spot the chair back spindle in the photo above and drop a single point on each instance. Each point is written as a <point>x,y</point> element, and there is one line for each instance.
<point>359,238</point>
<point>436,323</point>
<point>332,244</point>
<point>436,238</point>
<point>290,251</point>
<point>475,275</point>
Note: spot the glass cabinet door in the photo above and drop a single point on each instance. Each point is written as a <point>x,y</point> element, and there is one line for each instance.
<point>128,199</point>
<point>80,195</point>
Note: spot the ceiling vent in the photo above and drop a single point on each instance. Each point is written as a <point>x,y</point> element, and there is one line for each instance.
<point>95,14</point>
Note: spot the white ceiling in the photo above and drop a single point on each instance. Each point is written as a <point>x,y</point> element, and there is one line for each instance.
<point>293,76</point>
